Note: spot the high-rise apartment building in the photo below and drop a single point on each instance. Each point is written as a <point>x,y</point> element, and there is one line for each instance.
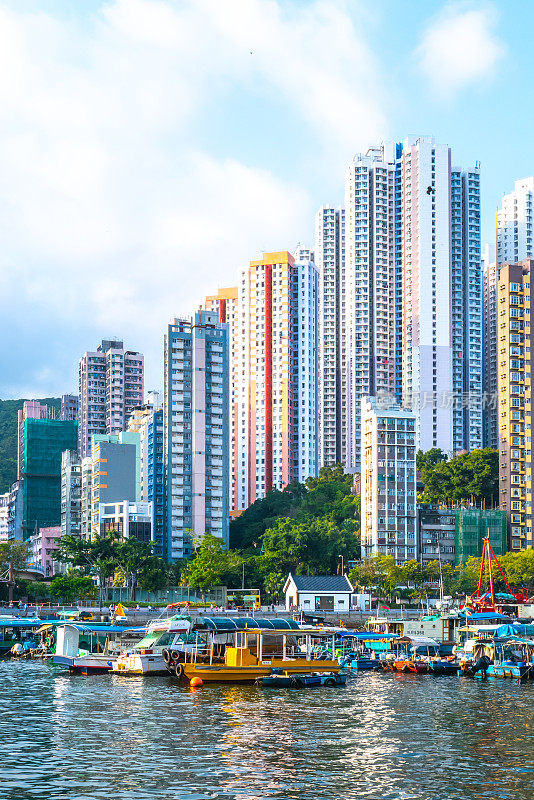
<point>330,259</point>
<point>412,235</point>
<point>69,406</point>
<point>225,304</point>
<point>110,387</point>
<point>147,421</point>
<point>71,494</point>
<point>515,219</point>
<point>490,383</point>
<point>277,439</point>
<point>466,310</point>
<point>195,431</point>
<point>370,327</point>
<point>388,511</point>
<point>515,399</point>
<point>514,243</point>
<point>87,498</point>
<point>427,313</point>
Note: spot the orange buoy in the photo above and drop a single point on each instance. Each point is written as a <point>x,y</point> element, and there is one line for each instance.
<point>196,682</point>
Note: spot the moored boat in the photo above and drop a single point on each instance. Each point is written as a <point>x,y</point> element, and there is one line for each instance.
<point>165,640</point>
<point>301,681</point>
<point>87,649</point>
<point>361,650</point>
<point>244,649</point>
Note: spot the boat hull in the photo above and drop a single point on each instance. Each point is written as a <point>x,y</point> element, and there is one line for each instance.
<point>84,665</point>
<point>443,668</point>
<point>302,681</point>
<point>221,673</point>
<point>140,665</point>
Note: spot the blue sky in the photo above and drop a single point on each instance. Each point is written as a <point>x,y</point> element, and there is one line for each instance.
<point>150,148</point>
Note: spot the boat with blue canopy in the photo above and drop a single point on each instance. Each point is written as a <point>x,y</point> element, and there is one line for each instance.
<point>90,649</point>
<point>362,650</point>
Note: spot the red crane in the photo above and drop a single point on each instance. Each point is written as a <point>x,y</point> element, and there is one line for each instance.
<point>487,601</point>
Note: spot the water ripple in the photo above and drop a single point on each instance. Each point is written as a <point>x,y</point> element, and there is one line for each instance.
<point>385,737</point>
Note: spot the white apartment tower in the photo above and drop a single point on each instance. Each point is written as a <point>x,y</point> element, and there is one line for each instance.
<point>330,259</point>
<point>195,431</point>
<point>277,439</point>
<point>514,224</point>
<point>388,481</point>
<point>426,262</point>
<point>369,314</point>
<point>110,387</point>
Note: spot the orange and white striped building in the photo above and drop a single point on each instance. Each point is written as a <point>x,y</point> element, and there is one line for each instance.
<point>274,363</point>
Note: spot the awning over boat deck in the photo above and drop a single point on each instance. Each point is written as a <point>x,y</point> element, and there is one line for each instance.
<point>33,622</point>
<point>490,616</point>
<point>365,636</point>
<point>504,631</point>
<point>417,641</point>
<point>102,628</point>
<point>244,623</point>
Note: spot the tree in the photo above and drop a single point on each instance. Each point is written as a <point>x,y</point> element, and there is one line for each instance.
<point>412,573</point>
<point>467,476</point>
<point>15,553</point>
<point>378,572</point>
<point>212,565</point>
<point>136,561</point>
<point>73,586</point>
<point>425,462</point>
<point>327,495</point>
<point>274,585</point>
<point>519,568</point>
<point>97,556</point>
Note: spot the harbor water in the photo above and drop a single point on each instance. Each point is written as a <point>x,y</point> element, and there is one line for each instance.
<point>385,736</point>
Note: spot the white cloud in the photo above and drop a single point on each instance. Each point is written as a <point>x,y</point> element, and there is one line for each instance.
<point>460,47</point>
<point>112,215</point>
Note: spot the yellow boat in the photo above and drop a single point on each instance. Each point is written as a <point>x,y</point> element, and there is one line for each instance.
<point>247,652</point>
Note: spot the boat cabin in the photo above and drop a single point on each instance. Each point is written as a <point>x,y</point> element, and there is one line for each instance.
<point>435,626</point>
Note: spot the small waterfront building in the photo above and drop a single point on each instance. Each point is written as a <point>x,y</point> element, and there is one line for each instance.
<point>318,593</point>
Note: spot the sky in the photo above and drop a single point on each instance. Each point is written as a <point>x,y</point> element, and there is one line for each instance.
<point>150,148</point>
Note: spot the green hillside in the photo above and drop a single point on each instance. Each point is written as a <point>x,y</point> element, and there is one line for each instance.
<point>8,438</point>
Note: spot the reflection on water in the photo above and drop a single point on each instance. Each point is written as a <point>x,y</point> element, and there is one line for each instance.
<point>384,737</point>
